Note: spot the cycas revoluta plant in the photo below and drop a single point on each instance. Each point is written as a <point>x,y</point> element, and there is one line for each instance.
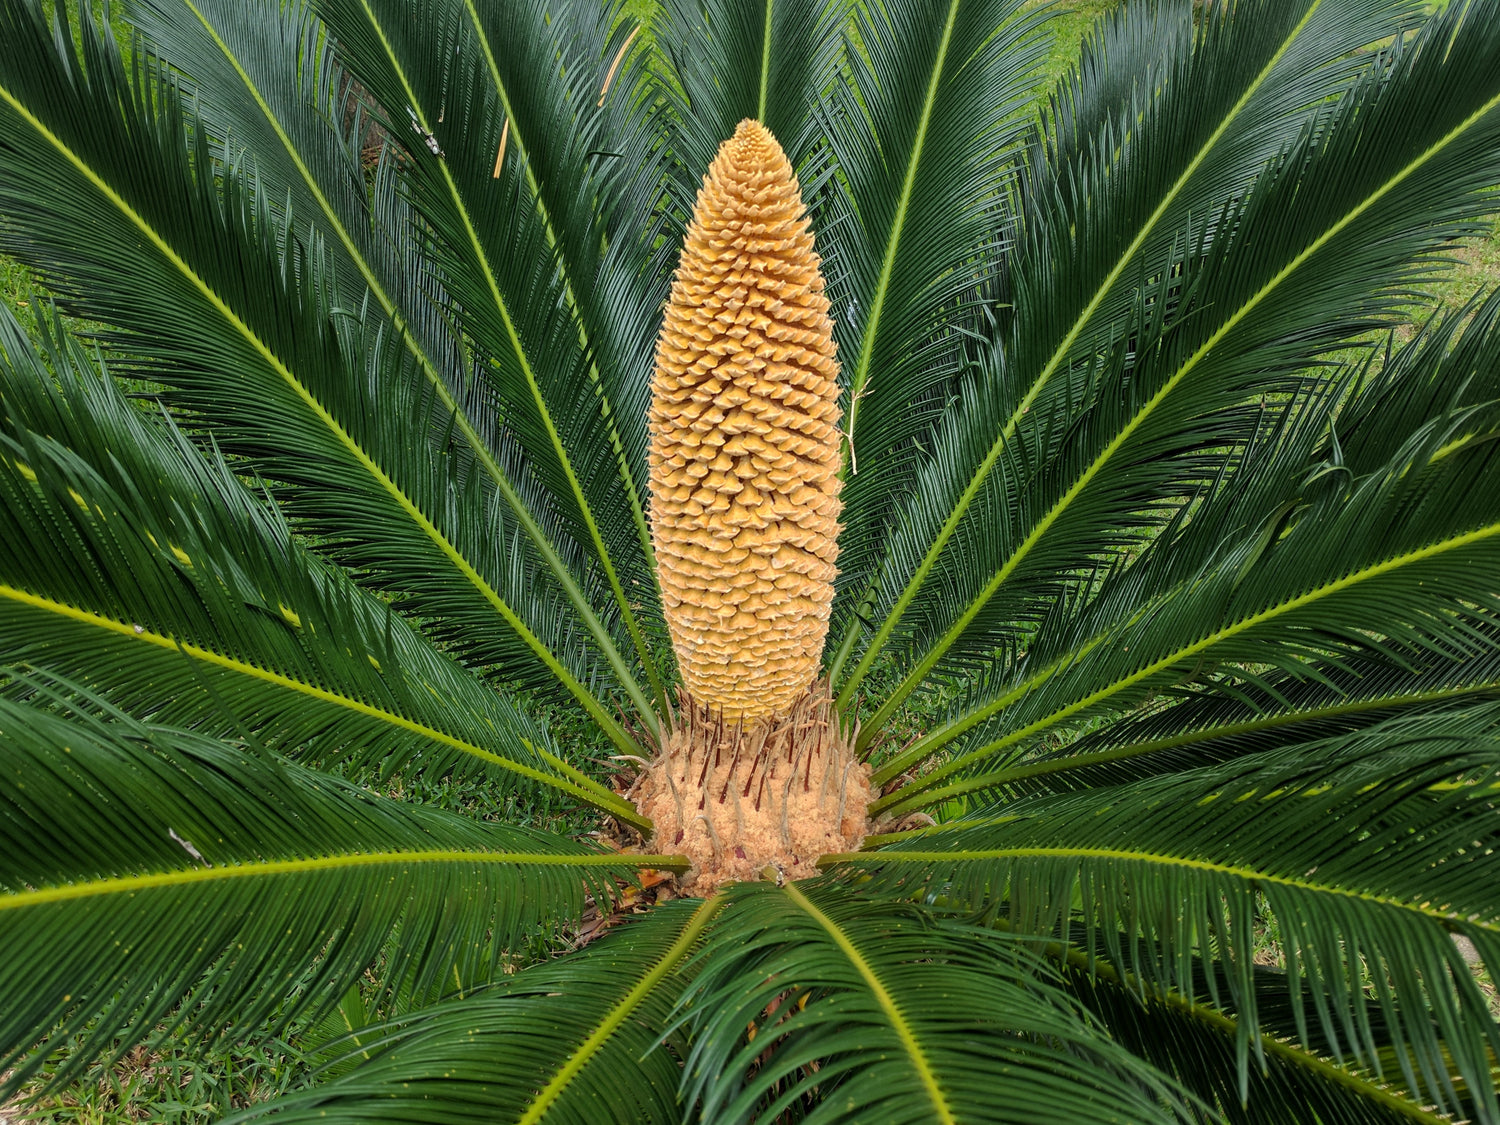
<point>1078,452</point>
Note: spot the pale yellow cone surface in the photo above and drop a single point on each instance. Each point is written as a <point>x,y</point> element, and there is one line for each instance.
<point>745,440</point>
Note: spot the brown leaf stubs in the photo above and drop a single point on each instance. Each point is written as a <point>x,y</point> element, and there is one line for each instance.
<point>745,442</point>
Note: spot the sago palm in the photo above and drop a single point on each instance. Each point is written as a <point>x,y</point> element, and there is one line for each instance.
<point>916,578</point>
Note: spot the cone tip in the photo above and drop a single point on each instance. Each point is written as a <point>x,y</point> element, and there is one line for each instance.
<point>752,144</point>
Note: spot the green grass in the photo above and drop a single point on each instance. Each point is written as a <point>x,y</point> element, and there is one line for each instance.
<point>167,1085</point>
<point>1068,28</point>
<point>1476,266</point>
<point>16,290</point>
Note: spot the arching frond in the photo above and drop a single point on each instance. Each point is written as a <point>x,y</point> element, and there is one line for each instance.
<point>1223,719</point>
<point>1089,428</point>
<point>267,85</point>
<point>515,241</point>
<point>726,60</point>
<point>143,868</point>
<point>578,1041</point>
<point>1196,1044</point>
<point>269,88</point>
<point>1370,850</point>
<point>892,1017</point>
<point>236,324</point>
<point>1301,574</point>
<point>923,131</point>
<point>132,561</point>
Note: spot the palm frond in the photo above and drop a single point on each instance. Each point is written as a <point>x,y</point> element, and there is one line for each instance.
<point>864,1011</point>
<point>148,873</point>
<point>265,82</point>
<point>1444,371</point>
<point>237,325</point>
<point>1196,1044</point>
<point>1115,389</point>
<point>268,87</point>
<point>1395,568</point>
<point>1234,715</point>
<point>1370,850</point>
<point>923,130</point>
<point>515,241</point>
<point>1282,569</point>
<point>585,198</point>
<point>722,61</point>
<point>137,564</point>
<point>1249,500</point>
<point>576,1041</point>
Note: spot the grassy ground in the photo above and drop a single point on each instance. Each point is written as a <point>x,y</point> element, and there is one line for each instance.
<point>183,1084</point>
<point>169,1085</point>
<point>15,287</point>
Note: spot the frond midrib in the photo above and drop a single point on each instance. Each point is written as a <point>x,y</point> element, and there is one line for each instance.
<point>765,64</point>
<point>861,374</point>
<point>188,876</point>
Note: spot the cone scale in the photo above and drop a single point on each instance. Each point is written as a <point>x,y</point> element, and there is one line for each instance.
<point>755,772</point>
<point>744,454</point>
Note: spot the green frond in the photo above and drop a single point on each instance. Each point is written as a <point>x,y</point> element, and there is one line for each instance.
<point>269,85</point>
<point>236,324</point>
<point>1196,1044</point>
<point>1083,431</point>
<point>542,104</point>
<point>147,873</point>
<point>1370,850</point>
<point>513,241</point>
<point>266,84</point>
<point>1224,718</point>
<point>924,131</point>
<point>576,1041</point>
<point>1290,565</point>
<point>1447,369</point>
<point>138,565</point>
<point>866,1011</point>
<point>721,61</point>
<point>270,80</point>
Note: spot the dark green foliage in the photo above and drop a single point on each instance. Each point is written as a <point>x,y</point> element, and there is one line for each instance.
<point>1193,571</point>
<point>148,856</point>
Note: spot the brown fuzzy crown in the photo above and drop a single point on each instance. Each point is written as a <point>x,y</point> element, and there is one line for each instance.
<point>745,440</point>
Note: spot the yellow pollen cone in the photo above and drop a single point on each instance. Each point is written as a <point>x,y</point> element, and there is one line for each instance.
<point>745,440</point>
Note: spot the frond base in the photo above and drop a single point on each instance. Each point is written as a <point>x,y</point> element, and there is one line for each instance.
<point>758,801</point>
